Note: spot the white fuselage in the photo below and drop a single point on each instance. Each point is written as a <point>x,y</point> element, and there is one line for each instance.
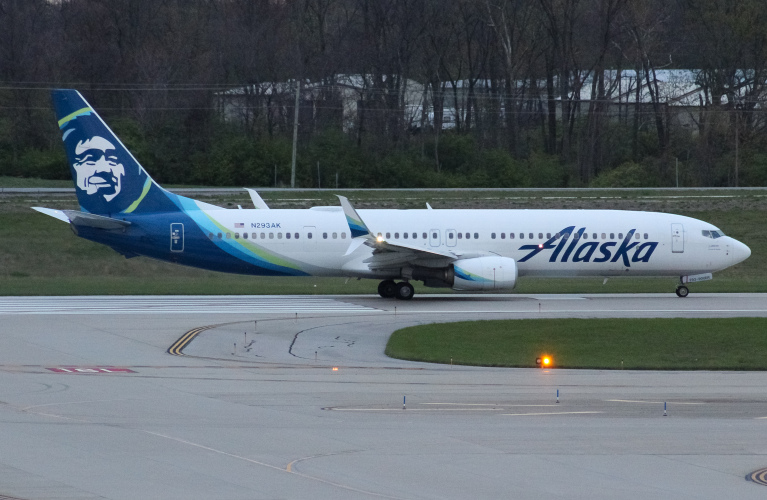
<point>569,242</point>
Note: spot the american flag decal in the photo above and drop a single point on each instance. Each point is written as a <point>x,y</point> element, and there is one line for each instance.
<point>238,225</point>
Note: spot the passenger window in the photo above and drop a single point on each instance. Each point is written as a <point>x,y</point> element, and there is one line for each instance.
<point>388,236</point>
<point>511,236</point>
<point>548,236</point>
<point>404,235</point>
<point>210,235</point>
<point>492,235</point>
<point>531,236</point>
<point>503,236</point>
<point>636,236</point>
<point>460,236</point>
<point>335,236</point>
<point>468,236</point>
<point>540,236</point>
<point>219,236</point>
<point>594,236</point>
<point>245,235</point>
<point>434,235</point>
<point>296,236</point>
<point>425,236</point>
<point>228,236</point>
<point>254,236</point>
<point>585,236</point>
<point>449,235</point>
<point>521,236</point>
<point>279,236</point>
<point>415,236</point>
<point>309,236</point>
<point>271,236</point>
<point>645,236</point>
<point>604,236</point>
<point>287,235</point>
<point>576,236</point>
<point>324,236</point>
<point>396,236</point>
<point>343,236</point>
<point>620,236</point>
<point>236,236</point>
<point>612,236</point>
<point>263,236</point>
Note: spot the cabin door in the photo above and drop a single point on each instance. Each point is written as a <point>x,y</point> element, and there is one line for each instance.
<point>434,239</point>
<point>677,238</point>
<point>177,237</point>
<point>450,239</point>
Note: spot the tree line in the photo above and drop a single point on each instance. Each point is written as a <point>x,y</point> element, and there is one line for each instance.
<point>542,93</point>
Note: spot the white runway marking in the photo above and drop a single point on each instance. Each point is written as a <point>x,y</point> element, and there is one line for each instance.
<point>180,305</point>
<point>651,402</point>
<point>552,413</point>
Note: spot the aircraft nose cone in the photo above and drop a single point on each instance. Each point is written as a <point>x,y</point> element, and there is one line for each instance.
<point>740,252</point>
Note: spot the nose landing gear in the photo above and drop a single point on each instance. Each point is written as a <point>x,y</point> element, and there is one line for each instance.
<point>682,291</point>
<point>389,289</point>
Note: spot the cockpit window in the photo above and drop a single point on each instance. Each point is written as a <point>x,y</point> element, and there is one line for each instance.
<point>712,234</point>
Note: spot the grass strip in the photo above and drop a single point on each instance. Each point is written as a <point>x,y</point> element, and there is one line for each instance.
<point>636,344</point>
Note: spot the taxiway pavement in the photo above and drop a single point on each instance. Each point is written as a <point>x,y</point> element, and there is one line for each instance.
<point>93,406</point>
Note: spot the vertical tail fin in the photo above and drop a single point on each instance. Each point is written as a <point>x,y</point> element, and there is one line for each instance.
<point>107,177</point>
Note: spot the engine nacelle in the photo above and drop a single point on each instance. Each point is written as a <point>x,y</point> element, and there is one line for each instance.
<point>485,273</point>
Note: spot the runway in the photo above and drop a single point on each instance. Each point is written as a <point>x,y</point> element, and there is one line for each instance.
<point>93,406</point>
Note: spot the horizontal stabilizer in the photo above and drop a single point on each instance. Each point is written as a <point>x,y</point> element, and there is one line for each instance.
<point>84,219</point>
<point>56,214</point>
<point>93,220</point>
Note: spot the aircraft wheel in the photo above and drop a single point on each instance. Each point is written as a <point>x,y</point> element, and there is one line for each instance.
<point>405,291</point>
<point>682,291</point>
<point>387,289</point>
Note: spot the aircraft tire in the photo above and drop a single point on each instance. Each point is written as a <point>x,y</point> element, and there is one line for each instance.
<point>387,289</point>
<point>682,291</point>
<point>405,291</point>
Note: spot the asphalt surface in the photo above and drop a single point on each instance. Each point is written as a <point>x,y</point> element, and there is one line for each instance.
<point>92,404</point>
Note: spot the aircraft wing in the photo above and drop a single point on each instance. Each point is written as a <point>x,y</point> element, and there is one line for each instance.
<point>258,202</point>
<point>387,254</point>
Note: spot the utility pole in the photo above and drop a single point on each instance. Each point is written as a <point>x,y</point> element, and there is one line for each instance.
<point>295,136</point>
<point>737,123</point>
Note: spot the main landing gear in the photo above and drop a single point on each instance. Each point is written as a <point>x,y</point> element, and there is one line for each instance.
<point>389,289</point>
<point>682,291</point>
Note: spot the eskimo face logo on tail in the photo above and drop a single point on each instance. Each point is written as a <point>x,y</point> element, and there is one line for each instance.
<point>98,168</point>
<point>574,245</point>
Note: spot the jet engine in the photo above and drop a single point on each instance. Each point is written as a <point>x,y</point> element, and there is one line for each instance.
<point>484,273</point>
<point>479,273</point>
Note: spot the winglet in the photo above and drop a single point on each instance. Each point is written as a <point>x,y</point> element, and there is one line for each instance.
<point>356,226</point>
<point>258,202</point>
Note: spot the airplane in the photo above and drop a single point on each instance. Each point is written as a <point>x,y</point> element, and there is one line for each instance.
<point>484,250</point>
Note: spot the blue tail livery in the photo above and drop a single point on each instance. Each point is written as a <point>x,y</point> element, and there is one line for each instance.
<point>108,179</point>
